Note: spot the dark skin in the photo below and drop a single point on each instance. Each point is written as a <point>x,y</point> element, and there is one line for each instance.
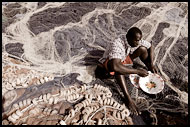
<point>145,55</point>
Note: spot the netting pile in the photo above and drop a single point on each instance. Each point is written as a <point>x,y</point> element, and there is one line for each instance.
<point>44,100</point>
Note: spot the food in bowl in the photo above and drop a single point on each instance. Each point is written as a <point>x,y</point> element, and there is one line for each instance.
<point>136,80</point>
<point>150,85</point>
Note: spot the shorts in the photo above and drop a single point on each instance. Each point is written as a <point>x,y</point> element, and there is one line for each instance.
<point>126,61</point>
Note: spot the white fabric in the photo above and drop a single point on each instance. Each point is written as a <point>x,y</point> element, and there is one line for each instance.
<point>120,49</point>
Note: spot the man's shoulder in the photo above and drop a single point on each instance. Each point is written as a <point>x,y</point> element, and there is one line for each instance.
<point>120,39</point>
<point>145,43</point>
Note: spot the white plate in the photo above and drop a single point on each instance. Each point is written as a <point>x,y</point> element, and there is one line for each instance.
<point>132,79</point>
<point>159,83</point>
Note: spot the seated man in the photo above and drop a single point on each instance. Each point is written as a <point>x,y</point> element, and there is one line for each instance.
<point>122,51</point>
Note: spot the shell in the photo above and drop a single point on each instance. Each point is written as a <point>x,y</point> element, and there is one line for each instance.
<point>74,96</point>
<point>85,117</point>
<point>72,90</point>
<point>90,96</point>
<point>83,88</point>
<point>48,96</point>
<point>69,97</point>
<point>72,113</point>
<point>15,116</point>
<point>20,104</point>
<point>105,101</point>
<point>42,80</point>
<point>98,98</point>
<point>45,98</point>
<point>51,100</point>
<point>4,91</point>
<point>86,102</point>
<point>18,81</point>
<point>86,96</point>
<point>91,122</point>
<point>45,110</point>
<point>28,101</point>
<point>63,93</point>
<point>9,86</point>
<point>16,106</point>
<point>38,82</point>
<point>22,80</point>
<point>126,111</point>
<point>103,96</point>
<point>54,112</point>
<point>34,111</point>
<point>74,120</point>
<point>109,94</point>
<point>115,104</point>
<point>49,111</point>
<point>55,100</point>
<point>96,107</point>
<point>62,122</point>
<point>118,105</point>
<point>114,113</point>
<point>10,118</point>
<point>34,101</point>
<point>79,106</point>
<point>118,115</point>
<point>129,120</point>
<point>25,85</point>
<point>41,97</point>
<point>99,122</point>
<point>19,113</point>
<point>101,102</point>
<point>122,115</point>
<point>111,101</point>
<point>51,77</point>
<point>77,96</point>
<point>122,107</point>
<point>13,84</point>
<point>90,101</point>
<point>46,79</point>
<point>24,102</point>
<point>87,110</point>
<point>95,86</point>
<point>98,87</point>
<point>10,80</point>
<point>108,101</point>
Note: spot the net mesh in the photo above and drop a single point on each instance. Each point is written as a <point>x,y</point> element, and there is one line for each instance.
<point>61,47</point>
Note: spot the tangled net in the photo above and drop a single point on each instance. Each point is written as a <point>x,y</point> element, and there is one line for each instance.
<point>50,108</point>
<point>73,105</point>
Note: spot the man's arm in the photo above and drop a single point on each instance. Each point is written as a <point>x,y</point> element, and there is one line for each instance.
<point>151,53</point>
<point>119,68</point>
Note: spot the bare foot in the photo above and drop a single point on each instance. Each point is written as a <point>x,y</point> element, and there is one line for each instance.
<point>132,106</point>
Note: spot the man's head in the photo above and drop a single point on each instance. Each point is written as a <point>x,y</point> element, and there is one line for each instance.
<point>133,36</point>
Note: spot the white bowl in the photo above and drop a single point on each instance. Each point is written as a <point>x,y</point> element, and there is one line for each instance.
<point>132,79</point>
<point>159,83</point>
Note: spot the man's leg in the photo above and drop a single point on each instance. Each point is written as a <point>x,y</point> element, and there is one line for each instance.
<point>142,53</point>
<point>101,72</point>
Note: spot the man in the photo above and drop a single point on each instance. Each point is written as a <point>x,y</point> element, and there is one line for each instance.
<point>121,52</point>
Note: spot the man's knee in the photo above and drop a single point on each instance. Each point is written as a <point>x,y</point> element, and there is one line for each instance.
<point>143,50</point>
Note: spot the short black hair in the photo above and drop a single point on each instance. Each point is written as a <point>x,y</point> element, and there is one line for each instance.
<point>132,32</point>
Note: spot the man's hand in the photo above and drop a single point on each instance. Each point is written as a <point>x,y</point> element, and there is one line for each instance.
<point>142,72</point>
<point>153,69</point>
<point>132,106</point>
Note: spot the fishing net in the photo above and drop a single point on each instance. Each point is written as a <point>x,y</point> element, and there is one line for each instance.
<point>50,46</point>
